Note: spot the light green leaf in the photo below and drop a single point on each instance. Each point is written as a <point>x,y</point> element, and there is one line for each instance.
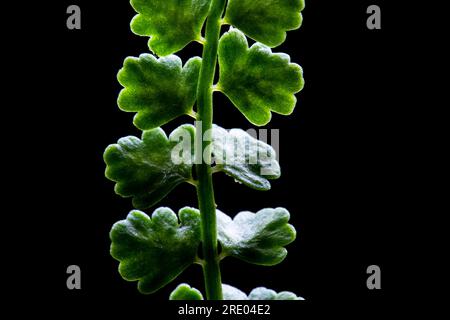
<point>257,238</point>
<point>256,80</point>
<point>155,251</point>
<point>265,21</point>
<point>246,159</point>
<point>159,90</point>
<point>232,293</point>
<point>171,24</point>
<point>144,169</point>
<point>262,293</point>
<point>185,292</point>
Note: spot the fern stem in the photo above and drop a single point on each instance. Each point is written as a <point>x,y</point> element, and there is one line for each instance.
<point>205,191</point>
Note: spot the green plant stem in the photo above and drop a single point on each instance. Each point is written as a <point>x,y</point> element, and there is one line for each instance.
<point>205,191</point>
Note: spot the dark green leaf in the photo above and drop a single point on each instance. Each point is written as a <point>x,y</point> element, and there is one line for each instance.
<point>256,80</point>
<point>155,251</point>
<point>144,169</point>
<point>171,24</point>
<point>244,158</point>
<point>256,238</point>
<point>262,293</point>
<point>265,21</point>
<point>159,90</point>
<point>185,292</point>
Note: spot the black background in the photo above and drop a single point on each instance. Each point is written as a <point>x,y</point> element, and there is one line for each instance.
<point>340,156</point>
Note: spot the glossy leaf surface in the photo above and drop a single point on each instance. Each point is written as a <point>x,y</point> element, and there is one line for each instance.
<point>257,238</point>
<point>246,159</point>
<point>262,293</point>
